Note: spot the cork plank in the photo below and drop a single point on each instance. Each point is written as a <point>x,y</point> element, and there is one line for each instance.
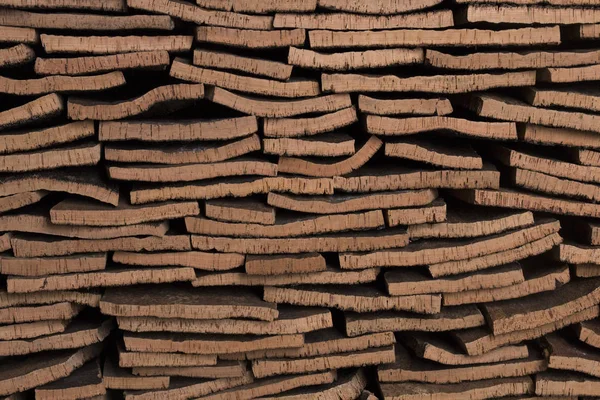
<point>559,136</point>
<point>589,332</point>
<point>11,34</point>
<point>300,127</point>
<point>570,355</point>
<point>529,15</point>
<point>115,44</point>
<point>30,330</point>
<point>574,253</point>
<point>573,74</point>
<point>109,5</point>
<point>40,109</point>
<point>416,106</point>
<point>562,383</point>
<point>40,266</point>
<point>69,156</point>
<point>17,141</point>
<point>63,310</point>
<point>432,213</point>
<point>188,388</point>
<point>284,264</point>
<point>251,39</point>
<point>223,369</point>
<point>87,298</point>
<point>16,55</point>
<point>122,379</point>
<point>352,60</point>
<point>552,185</point>
<point>131,359</point>
<point>323,145</point>
<point>426,150</point>
<point>583,98</point>
<point>242,211</point>
<point>585,156</point>
<point>61,83</point>
<point>5,241</point>
<point>586,270</point>
<point>253,66</point>
<point>85,381</point>
<point>16,201</point>
<point>584,31</point>
<point>385,7</point>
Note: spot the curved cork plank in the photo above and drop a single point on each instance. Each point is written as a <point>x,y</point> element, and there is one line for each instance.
<point>457,155</point>
<point>114,44</point>
<point>432,252</point>
<point>86,381</point>
<point>448,319</point>
<point>224,369</point>
<point>276,108</point>
<point>107,5</point>
<point>16,201</point>
<point>357,22</point>
<point>428,214</point>
<point>21,375</point>
<point>298,166</point>
<point>559,136</point>
<point>529,15</point>
<point>32,329</point>
<point>18,266</point>
<point>349,203</point>
<point>39,109</point>
<point>87,298</point>
<point>285,264</point>
<point>10,34</point>
<point>253,66</point>
<point>18,141</point>
<point>583,99</point>
<point>539,182</point>
<point>287,227</point>
<point>186,388</point>
<point>299,127</point>
<point>575,74</point>
<point>584,156</point>
<point>60,83</point>
<point>324,145</point>
<point>573,253</point>
<point>62,311</point>
<point>589,332</point>
<point>384,7</point>
<point>416,106</point>
<point>168,301</point>
<point>82,109</point>
<point>564,383</point>
<point>251,39</point>
<point>322,39</point>
<point>571,356</point>
<point>194,259</point>
<point>391,126</point>
<point>192,172</point>
<point>130,359</point>
<point>299,87</point>
<point>353,60</point>
<point>242,211</point>
<point>71,156</point>
<point>223,129</point>
<point>359,241</point>
<point>16,55</point>
<point>512,60</point>
<point>267,6</point>
<point>122,379</point>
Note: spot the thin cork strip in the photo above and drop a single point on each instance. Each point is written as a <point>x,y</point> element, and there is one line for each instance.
<point>429,151</point>
<point>40,266</point>
<point>352,60</point>
<point>42,138</point>
<point>284,264</point>
<point>253,66</point>
<point>416,106</point>
<point>60,83</point>
<point>309,126</point>
<point>251,39</point>
<point>433,213</point>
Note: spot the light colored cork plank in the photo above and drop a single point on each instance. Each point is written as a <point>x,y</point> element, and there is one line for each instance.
<point>324,145</point>
<point>88,298</point>
<point>352,298</point>
<point>11,34</point>
<point>42,108</point>
<point>589,332</point>
<point>574,74</point>
<point>584,156</point>
<point>448,319</point>
<point>582,98</point>
<point>87,213</point>
<point>473,222</point>
<point>351,203</point>
<point>357,22</point>
<point>528,2</point>
<point>284,264</point>
<point>16,55</point>
<point>122,379</point>
<point>70,156</point>
<point>222,129</point>
<point>253,66</point>
<point>586,270</point>
<point>223,369</point>
<point>340,242</point>
<point>191,13</point>
<point>559,136</point>
<point>259,7</point>
<point>251,39</point>
<point>16,201</point>
<point>17,141</point>
<point>322,39</point>
<point>108,5</point>
<point>86,381</point>
<point>114,44</point>
<point>82,109</point>
<point>392,126</point>
<point>61,83</point>
<point>563,383</point>
<point>301,127</point>
<point>242,211</point>
<point>189,388</point>
<point>233,187</point>
<point>20,375</point>
<point>415,106</point>
<point>32,329</point>
<point>166,301</point>
<point>574,253</point>
<point>584,31</point>
<point>438,251</point>
<point>430,151</point>
<point>382,7</point>
<point>551,185</point>
<point>429,214</point>
<point>570,355</point>
<point>529,15</point>
<point>132,359</point>
<point>276,108</point>
<point>353,59</point>
<point>38,266</point>
<point>63,311</point>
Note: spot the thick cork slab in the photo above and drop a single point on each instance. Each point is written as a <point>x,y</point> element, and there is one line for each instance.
<point>16,55</point>
<point>285,264</point>
<point>242,211</point>
<point>575,74</point>
<point>40,266</point>
<point>88,298</point>
<point>291,320</point>
<point>82,109</point>
<point>323,39</point>
<point>87,213</point>
<point>414,106</point>
<point>301,127</point>
<point>20,375</point>
<point>428,151</point>
<point>114,44</point>
<point>382,7</point>
<point>16,201</point>
<point>223,369</point>
<point>254,66</point>
<point>122,379</point>
<point>570,355</point>
<point>251,39</point>
<point>188,388</point>
<point>589,332</point>
<point>559,136</point>
<point>277,109</point>
<point>223,129</point>
<point>63,310</point>
<point>154,60</point>
<point>167,301</point>
<point>60,83</point>
<point>32,329</point>
<point>195,259</point>
<point>9,34</point>
<point>347,60</point>
<point>324,145</point>
<point>109,5</point>
<point>480,340</point>
<point>585,156</point>
<point>85,382</point>
<point>129,359</point>
<point>586,270</point>
<point>37,139</point>
<point>348,83</point>
<point>583,99</point>
<point>573,253</point>
<point>562,383</point>
<point>432,252</point>
<point>266,87</point>
<point>529,15</point>
<point>71,156</point>
<point>42,108</point>
<point>489,388</point>
<point>584,31</point>
<point>338,242</point>
<point>536,281</point>
<point>428,214</point>
<point>391,126</point>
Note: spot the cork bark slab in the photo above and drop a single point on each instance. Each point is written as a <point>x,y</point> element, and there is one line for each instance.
<point>489,388</point>
<point>574,74</point>
<point>71,156</point>
<point>223,369</point>
<point>40,109</point>
<point>60,83</point>
<point>242,211</point>
<point>408,368</point>
<point>589,332</point>
<point>85,382</point>
<point>20,375</point>
<point>188,388</point>
<point>251,39</point>
<point>195,259</point>
<point>301,127</point>
<point>384,7</point>
<point>447,319</point>
<point>253,66</point>
<point>526,2</point>
<point>290,89</point>
<point>586,270</point>
<point>123,379</point>
<point>185,302</point>
<point>9,34</point>
<point>16,55</point>
<point>351,60</point>
<point>426,150</point>
<point>413,282</point>
<point>156,60</point>
<point>582,98</point>
<point>32,329</point>
<point>347,83</point>
<point>473,222</point>
<point>324,145</point>
<point>428,214</point>
<point>291,320</point>
<point>432,252</point>
<point>223,129</point>
<point>63,310</point>
<point>573,253</point>
<point>323,39</point>
<point>192,172</point>
<point>109,5</point>
<point>390,126</point>
<point>529,15</point>
<point>88,298</point>
<point>585,156</point>
<point>82,109</point>
<point>352,298</point>
<point>335,243</point>
<point>261,7</point>
<point>414,106</point>
<point>130,359</point>
<point>39,266</point>
<point>284,264</point>
<point>18,141</point>
<point>87,213</point>
<point>571,355</point>
<point>584,31</point>
<point>114,44</point>
<point>351,203</point>
<point>277,109</point>
<point>561,383</point>
<point>16,201</point>
<point>559,136</point>
<point>291,226</point>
